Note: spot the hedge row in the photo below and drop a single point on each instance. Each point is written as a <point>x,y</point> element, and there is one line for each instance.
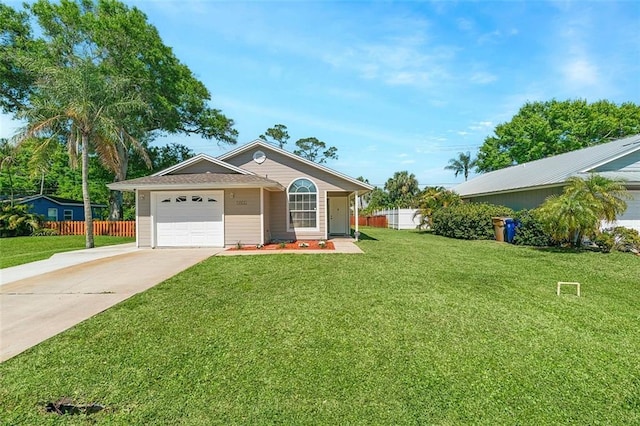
<point>473,221</point>
<point>468,221</point>
<point>529,231</point>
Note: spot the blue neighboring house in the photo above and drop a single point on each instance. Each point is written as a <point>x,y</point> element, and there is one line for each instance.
<point>58,209</point>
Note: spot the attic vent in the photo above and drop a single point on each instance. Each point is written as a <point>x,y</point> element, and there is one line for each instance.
<point>259,157</point>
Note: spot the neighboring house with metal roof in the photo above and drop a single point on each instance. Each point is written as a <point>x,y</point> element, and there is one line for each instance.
<point>57,208</point>
<point>527,185</point>
<point>254,194</point>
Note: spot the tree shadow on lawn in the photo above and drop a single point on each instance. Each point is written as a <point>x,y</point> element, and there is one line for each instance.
<point>366,237</point>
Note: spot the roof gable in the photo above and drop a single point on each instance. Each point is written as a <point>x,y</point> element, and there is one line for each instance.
<point>200,158</point>
<point>261,144</point>
<point>552,171</point>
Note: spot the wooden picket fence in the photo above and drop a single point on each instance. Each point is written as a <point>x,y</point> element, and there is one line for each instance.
<point>374,221</point>
<point>123,228</point>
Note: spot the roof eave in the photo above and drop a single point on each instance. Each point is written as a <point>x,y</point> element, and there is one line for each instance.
<point>609,160</point>
<point>511,190</point>
<point>201,157</point>
<point>193,186</point>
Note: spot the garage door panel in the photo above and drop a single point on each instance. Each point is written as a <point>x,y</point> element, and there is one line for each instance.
<point>190,219</point>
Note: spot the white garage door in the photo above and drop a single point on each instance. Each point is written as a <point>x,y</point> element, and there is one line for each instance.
<point>190,219</point>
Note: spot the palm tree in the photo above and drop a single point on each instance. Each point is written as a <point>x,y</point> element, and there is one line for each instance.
<point>434,198</point>
<point>403,189</point>
<point>568,217</point>
<point>462,165</point>
<point>582,207</point>
<point>83,105</point>
<point>607,194</point>
<point>7,158</point>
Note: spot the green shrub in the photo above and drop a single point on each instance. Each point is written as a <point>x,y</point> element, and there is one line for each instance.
<point>17,221</point>
<point>619,238</point>
<point>45,232</point>
<point>529,231</point>
<point>605,241</point>
<point>468,221</point>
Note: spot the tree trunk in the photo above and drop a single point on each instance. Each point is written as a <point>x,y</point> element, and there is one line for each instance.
<point>88,214</point>
<point>115,204</point>
<point>115,199</point>
<point>11,187</point>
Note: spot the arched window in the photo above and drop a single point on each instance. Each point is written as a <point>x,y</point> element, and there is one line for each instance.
<point>303,204</point>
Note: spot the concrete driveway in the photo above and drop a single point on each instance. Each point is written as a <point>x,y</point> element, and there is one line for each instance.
<point>40,300</point>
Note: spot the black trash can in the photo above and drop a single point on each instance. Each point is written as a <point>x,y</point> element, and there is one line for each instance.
<point>509,229</point>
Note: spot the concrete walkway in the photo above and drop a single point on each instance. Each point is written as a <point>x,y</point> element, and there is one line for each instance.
<point>36,308</point>
<point>41,299</point>
<point>62,260</point>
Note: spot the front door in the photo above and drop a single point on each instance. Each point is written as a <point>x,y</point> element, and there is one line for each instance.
<point>338,216</point>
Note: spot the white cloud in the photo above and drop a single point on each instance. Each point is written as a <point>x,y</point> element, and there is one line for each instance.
<point>491,37</point>
<point>579,71</point>
<point>483,77</point>
<point>481,126</point>
<point>465,24</point>
<point>365,131</point>
<point>405,58</point>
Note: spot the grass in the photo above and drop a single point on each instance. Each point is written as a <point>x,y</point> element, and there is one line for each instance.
<point>20,250</point>
<point>419,330</point>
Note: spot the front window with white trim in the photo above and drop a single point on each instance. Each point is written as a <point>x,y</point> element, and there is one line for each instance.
<point>303,204</point>
<point>52,214</point>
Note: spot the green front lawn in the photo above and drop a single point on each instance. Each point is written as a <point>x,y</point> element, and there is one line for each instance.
<point>419,330</point>
<point>20,250</point>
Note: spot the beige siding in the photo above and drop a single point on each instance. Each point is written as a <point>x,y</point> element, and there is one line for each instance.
<point>266,200</point>
<point>518,200</point>
<point>144,219</point>
<point>242,216</point>
<point>278,217</point>
<point>203,167</point>
<point>278,220</point>
<point>285,170</point>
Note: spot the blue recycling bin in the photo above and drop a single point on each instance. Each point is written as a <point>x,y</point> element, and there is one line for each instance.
<point>509,229</point>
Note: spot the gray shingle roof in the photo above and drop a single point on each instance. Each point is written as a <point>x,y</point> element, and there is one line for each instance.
<point>554,170</point>
<point>197,180</point>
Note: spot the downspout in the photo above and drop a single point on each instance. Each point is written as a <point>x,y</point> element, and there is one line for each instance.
<point>356,234</point>
<point>262,239</point>
<point>136,193</point>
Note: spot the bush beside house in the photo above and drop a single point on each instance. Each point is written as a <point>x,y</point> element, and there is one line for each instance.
<point>473,221</point>
<point>529,231</point>
<point>17,221</point>
<point>468,221</point>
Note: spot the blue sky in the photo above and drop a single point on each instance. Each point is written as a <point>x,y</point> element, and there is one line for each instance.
<point>396,85</point>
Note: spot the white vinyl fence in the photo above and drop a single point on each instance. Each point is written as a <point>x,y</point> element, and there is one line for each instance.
<point>401,218</point>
